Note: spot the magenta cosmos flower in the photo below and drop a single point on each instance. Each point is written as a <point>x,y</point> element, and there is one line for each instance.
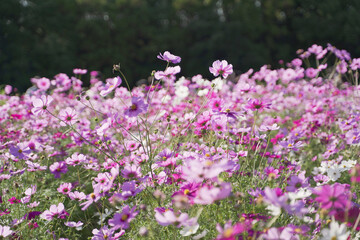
<point>257,105</point>
<point>111,84</point>
<point>332,196</point>
<point>221,68</point>
<point>41,104</point>
<point>137,106</point>
<point>167,56</point>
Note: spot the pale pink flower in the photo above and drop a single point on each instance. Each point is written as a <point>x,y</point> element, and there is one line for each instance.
<point>221,68</point>
<point>41,104</point>
<point>43,83</point>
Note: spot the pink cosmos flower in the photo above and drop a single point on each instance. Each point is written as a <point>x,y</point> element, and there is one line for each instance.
<point>75,159</point>
<point>65,188</point>
<point>167,56</point>
<point>278,234</point>
<point>137,106</point>
<point>30,191</point>
<point>106,233</point>
<point>14,200</point>
<point>57,168</point>
<point>43,83</point>
<point>355,64</point>
<point>111,84</point>
<point>91,198</point>
<point>221,68</point>
<point>74,224</point>
<point>41,104</point>
<point>311,72</point>
<point>5,231</point>
<point>168,217</point>
<point>78,196</point>
<point>79,71</point>
<point>169,74</point>
<point>209,194</point>
<point>332,196</point>
<point>54,211</point>
<point>257,105</point>
<point>230,232</point>
<point>219,123</point>
<point>288,75</point>
<point>272,173</point>
<point>68,116</point>
<point>131,171</point>
<point>8,89</point>
<point>122,220</point>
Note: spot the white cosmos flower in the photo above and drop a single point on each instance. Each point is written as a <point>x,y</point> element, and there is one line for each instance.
<point>182,92</point>
<point>335,231</point>
<point>189,230</point>
<point>334,173</point>
<point>218,84</point>
<point>203,92</point>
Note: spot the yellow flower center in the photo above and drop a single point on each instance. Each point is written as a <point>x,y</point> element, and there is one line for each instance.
<point>186,191</point>
<point>124,217</point>
<point>290,145</point>
<point>272,175</point>
<point>227,110</point>
<point>133,107</point>
<point>209,163</point>
<point>228,232</point>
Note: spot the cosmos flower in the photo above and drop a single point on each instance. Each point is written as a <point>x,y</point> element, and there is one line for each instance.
<point>79,71</point>
<point>57,168</point>
<point>68,116</point>
<point>54,211</point>
<point>111,84</point>
<point>221,68</point>
<point>168,74</point>
<point>5,231</point>
<point>335,231</point>
<point>43,83</point>
<point>20,150</point>
<point>41,104</point>
<point>167,56</point>
<point>65,188</point>
<point>122,220</point>
<point>332,196</point>
<point>137,106</point>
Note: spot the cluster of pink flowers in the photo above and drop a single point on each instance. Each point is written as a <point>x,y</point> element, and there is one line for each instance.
<point>203,158</point>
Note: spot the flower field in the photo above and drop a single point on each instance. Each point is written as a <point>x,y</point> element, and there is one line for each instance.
<point>269,154</point>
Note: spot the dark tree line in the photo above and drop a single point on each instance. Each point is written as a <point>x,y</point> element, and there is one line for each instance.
<point>43,38</point>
